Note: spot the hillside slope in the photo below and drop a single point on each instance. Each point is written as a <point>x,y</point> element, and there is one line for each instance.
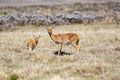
<point>48,2</point>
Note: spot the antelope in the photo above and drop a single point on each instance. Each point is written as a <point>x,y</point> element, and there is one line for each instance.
<point>32,43</point>
<point>60,39</point>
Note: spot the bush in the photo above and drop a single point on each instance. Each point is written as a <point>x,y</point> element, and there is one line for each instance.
<point>4,13</point>
<point>13,77</point>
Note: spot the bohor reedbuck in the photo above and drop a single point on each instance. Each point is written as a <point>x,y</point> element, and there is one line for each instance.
<point>32,43</point>
<point>61,39</point>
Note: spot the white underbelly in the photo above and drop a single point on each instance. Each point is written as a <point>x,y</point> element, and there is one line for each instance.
<point>67,42</point>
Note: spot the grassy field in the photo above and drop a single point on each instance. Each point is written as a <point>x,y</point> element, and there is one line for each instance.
<point>99,58</point>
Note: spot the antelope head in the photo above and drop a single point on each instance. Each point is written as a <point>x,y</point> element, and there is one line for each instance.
<point>49,29</point>
<point>37,37</point>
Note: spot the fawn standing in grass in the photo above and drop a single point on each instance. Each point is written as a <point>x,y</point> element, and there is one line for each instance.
<point>32,43</point>
<point>61,39</point>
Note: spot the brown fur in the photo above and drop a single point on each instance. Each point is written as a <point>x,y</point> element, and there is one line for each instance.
<point>32,43</point>
<point>61,39</point>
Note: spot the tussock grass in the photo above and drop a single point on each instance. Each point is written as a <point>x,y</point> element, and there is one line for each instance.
<point>99,58</point>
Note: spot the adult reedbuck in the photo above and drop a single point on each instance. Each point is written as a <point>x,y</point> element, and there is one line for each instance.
<point>32,43</point>
<point>60,39</point>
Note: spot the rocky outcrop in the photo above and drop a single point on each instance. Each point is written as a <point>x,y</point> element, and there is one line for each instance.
<point>11,20</point>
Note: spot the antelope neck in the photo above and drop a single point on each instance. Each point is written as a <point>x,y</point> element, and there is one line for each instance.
<point>51,36</point>
<point>36,41</point>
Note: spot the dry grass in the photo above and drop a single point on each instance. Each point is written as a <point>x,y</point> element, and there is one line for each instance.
<point>99,58</point>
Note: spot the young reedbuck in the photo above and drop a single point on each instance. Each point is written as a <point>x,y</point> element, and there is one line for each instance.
<point>32,43</point>
<point>60,39</point>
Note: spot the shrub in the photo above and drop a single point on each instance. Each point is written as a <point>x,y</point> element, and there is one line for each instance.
<point>4,13</point>
<point>13,77</point>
